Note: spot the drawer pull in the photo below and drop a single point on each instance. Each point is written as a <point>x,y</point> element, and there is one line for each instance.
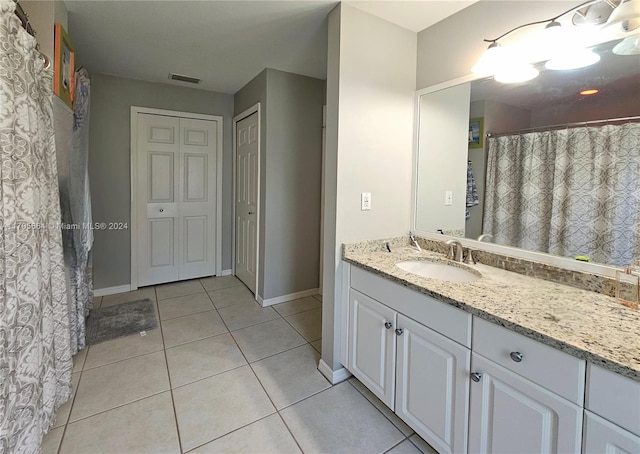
<point>388,325</point>
<point>516,356</point>
<point>399,331</point>
<point>475,376</point>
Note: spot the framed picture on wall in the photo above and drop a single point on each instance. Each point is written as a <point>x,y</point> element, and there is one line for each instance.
<point>476,132</point>
<point>64,66</point>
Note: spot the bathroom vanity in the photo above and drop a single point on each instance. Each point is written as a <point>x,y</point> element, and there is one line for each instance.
<point>505,363</point>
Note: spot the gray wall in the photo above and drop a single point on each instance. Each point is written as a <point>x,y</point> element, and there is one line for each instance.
<point>252,93</point>
<point>371,79</point>
<point>291,166</point>
<point>109,163</point>
<point>448,49</point>
<point>293,173</point>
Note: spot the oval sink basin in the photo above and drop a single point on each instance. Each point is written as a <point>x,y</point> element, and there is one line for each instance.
<point>440,271</point>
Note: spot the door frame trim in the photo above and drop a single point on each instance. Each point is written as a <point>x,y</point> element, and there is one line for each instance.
<point>256,108</point>
<point>135,110</point>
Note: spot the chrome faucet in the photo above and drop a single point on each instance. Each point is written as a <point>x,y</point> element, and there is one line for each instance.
<point>412,237</point>
<point>483,236</point>
<point>455,250</point>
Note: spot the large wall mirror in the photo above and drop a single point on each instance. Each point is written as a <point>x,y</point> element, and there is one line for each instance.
<point>559,172</point>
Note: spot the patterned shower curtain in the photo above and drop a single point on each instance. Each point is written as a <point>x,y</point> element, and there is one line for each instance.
<point>568,192</point>
<point>35,358</point>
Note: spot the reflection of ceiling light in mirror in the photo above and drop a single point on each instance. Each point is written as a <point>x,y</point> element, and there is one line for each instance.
<point>491,61</point>
<point>594,14</point>
<point>519,72</point>
<point>628,46</point>
<point>625,19</point>
<point>591,91</point>
<point>573,59</point>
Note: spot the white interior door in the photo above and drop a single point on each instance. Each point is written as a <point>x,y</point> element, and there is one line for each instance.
<point>247,200</point>
<point>176,189</point>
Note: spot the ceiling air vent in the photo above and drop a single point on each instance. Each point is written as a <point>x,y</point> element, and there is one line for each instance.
<point>181,78</point>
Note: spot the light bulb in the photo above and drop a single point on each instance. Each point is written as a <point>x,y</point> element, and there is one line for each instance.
<point>573,59</point>
<point>490,62</point>
<point>517,72</point>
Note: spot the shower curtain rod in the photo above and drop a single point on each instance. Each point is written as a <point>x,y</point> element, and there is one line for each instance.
<point>564,125</point>
<point>24,18</point>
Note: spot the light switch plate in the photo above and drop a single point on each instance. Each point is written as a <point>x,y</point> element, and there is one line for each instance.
<point>448,198</point>
<point>365,201</point>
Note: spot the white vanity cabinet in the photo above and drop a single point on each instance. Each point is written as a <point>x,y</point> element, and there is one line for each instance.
<point>419,373</point>
<point>372,345</point>
<point>525,396</point>
<point>602,436</point>
<point>612,413</point>
<point>467,385</point>
<point>511,414</point>
<point>432,385</point>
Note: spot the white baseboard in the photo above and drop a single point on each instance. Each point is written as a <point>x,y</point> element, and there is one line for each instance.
<point>226,272</point>
<point>111,290</point>
<point>285,298</point>
<point>334,376</point>
<point>259,300</point>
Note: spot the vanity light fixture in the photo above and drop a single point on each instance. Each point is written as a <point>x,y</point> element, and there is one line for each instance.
<point>625,19</point>
<point>628,46</point>
<point>572,53</point>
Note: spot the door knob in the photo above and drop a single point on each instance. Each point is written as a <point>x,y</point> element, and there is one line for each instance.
<point>475,376</point>
<point>516,356</point>
<point>399,331</point>
<point>161,210</point>
<point>388,325</point>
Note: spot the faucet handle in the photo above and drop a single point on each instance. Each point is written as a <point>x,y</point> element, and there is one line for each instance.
<point>468,257</point>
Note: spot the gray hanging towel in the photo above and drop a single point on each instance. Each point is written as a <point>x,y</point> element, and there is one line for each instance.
<point>472,191</point>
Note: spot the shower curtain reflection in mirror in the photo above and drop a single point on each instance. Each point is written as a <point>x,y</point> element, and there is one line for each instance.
<point>567,192</point>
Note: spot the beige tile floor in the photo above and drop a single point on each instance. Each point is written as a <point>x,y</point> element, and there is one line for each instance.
<point>220,374</point>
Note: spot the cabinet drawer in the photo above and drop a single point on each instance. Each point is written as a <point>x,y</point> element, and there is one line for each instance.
<point>552,369</point>
<point>614,397</point>
<point>440,317</point>
<point>601,436</point>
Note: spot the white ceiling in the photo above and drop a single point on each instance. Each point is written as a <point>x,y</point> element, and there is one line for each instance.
<point>224,43</point>
<point>412,15</point>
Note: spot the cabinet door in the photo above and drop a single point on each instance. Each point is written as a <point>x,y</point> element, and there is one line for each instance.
<point>601,436</point>
<point>511,414</point>
<point>432,391</point>
<point>372,345</point>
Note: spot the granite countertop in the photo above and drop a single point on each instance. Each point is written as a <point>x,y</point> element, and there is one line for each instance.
<point>584,324</point>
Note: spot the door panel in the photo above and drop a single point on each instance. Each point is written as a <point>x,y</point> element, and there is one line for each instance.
<point>195,231</point>
<point>511,414</point>
<point>372,346</point>
<point>198,194</point>
<point>433,386</point>
<point>247,200</point>
<point>195,178</point>
<point>161,171</point>
<point>176,182</point>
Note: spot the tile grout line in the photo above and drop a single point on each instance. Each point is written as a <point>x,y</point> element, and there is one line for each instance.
<point>259,382</point>
<point>380,411</point>
<point>166,362</point>
<point>290,432</point>
<point>164,349</point>
<point>73,399</point>
<point>398,444</point>
<point>275,407</point>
